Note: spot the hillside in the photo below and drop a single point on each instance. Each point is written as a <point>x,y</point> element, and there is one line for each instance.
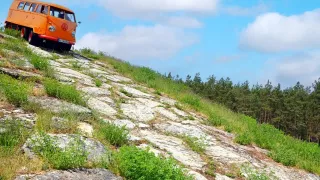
<point>64,116</point>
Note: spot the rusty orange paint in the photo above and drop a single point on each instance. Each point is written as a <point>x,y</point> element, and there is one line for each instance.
<point>47,25</point>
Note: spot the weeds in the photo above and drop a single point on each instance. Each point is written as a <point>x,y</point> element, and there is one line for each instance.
<point>194,143</point>
<point>73,156</point>
<point>63,91</point>
<point>126,93</point>
<point>134,163</point>
<point>15,91</point>
<point>12,132</point>
<point>117,136</point>
<point>12,32</point>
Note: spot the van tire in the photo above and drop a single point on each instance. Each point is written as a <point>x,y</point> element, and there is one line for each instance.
<point>23,33</point>
<point>67,47</point>
<point>33,38</point>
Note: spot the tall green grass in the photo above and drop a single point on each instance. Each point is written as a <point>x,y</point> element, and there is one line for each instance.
<point>15,91</point>
<point>283,148</point>
<point>63,91</point>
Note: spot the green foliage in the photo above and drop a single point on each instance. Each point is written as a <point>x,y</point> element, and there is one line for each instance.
<point>89,53</point>
<point>98,82</point>
<point>117,136</point>
<point>12,32</point>
<point>134,163</point>
<point>15,91</point>
<point>63,91</point>
<point>255,175</point>
<point>39,62</point>
<point>73,156</point>
<point>12,132</point>
<point>194,143</point>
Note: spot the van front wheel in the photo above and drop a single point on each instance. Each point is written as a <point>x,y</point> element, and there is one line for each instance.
<point>33,38</point>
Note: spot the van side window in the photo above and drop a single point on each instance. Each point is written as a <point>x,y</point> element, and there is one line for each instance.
<point>26,7</point>
<point>21,4</point>
<point>39,8</point>
<point>33,7</point>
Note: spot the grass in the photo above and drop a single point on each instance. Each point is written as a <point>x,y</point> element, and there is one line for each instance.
<point>116,136</point>
<point>283,148</point>
<point>12,32</point>
<point>74,156</point>
<point>12,136</point>
<point>16,91</point>
<point>134,163</point>
<point>62,91</point>
<point>194,143</point>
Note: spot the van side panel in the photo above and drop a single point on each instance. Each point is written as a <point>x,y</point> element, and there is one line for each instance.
<point>39,23</point>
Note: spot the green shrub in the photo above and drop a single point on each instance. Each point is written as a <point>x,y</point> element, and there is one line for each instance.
<point>134,163</point>
<point>98,82</point>
<point>63,91</point>
<point>15,91</point>
<point>192,100</point>
<point>115,135</point>
<point>73,156</point>
<point>89,53</point>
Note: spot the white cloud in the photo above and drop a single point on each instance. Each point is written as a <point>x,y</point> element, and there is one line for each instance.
<point>245,11</point>
<point>183,22</point>
<point>273,32</point>
<point>303,67</point>
<point>139,42</point>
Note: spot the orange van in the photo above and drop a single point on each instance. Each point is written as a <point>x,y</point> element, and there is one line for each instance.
<point>41,21</point>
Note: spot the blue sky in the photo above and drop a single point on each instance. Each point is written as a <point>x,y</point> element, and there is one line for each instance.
<point>251,40</point>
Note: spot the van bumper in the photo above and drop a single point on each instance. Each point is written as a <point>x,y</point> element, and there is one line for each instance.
<point>54,39</point>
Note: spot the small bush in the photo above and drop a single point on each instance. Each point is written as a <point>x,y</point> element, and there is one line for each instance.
<point>115,135</point>
<point>63,91</point>
<point>244,139</point>
<point>15,91</point>
<point>73,156</point>
<point>192,100</point>
<point>134,163</point>
<point>98,82</point>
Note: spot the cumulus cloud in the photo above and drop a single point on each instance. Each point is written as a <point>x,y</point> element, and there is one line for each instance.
<point>302,67</point>
<point>139,42</point>
<point>273,32</point>
<point>245,11</point>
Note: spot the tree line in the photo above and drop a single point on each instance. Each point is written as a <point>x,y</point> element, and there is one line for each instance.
<point>294,110</point>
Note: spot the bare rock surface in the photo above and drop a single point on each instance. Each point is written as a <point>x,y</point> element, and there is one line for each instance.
<point>175,147</point>
<point>75,174</point>
<point>101,107</point>
<point>58,106</point>
<point>17,73</point>
<point>95,91</point>
<point>86,129</point>
<point>166,113</point>
<point>138,112</point>
<point>124,123</point>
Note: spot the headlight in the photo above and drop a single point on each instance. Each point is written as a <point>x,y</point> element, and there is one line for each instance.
<point>74,34</point>
<point>52,28</point>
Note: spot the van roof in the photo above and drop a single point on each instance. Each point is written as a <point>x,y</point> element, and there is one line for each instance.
<point>50,4</point>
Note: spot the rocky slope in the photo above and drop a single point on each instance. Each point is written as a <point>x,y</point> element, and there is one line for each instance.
<point>153,120</point>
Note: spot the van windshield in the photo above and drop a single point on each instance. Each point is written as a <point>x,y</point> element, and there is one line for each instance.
<point>62,14</point>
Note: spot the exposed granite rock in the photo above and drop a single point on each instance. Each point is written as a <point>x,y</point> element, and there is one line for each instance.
<point>101,107</point>
<point>75,174</point>
<point>86,129</point>
<point>126,123</point>
<point>166,113</point>
<point>138,112</point>
<point>17,73</point>
<point>58,106</point>
<point>95,91</point>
